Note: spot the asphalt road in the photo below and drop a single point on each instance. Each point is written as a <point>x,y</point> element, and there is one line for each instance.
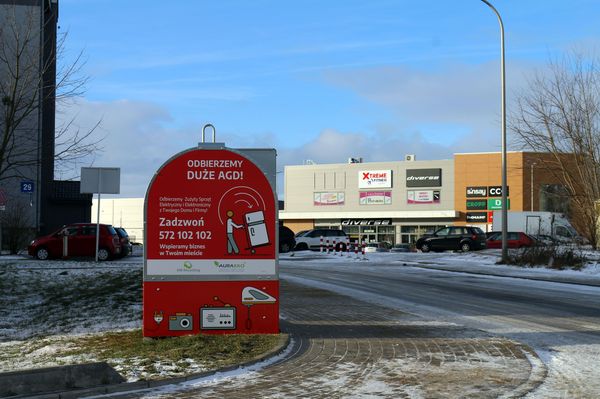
<point>560,321</point>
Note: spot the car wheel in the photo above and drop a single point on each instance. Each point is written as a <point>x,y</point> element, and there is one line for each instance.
<point>103,254</point>
<point>284,247</point>
<point>42,254</point>
<point>465,247</point>
<point>302,246</point>
<point>425,247</point>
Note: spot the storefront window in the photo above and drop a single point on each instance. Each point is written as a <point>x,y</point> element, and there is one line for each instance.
<point>410,234</point>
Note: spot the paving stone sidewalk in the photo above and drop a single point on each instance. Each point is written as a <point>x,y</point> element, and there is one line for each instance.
<point>345,348</point>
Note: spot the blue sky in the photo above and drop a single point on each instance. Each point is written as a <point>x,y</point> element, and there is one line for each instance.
<point>316,80</point>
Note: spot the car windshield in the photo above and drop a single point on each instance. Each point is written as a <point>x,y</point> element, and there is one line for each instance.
<point>443,232</point>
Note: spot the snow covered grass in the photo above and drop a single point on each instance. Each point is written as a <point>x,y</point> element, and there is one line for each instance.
<point>67,312</point>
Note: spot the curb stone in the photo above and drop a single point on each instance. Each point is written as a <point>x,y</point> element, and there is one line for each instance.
<point>538,373</point>
<point>284,342</point>
<point>557,279</point>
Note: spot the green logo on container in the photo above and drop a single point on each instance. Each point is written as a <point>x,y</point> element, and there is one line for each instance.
<point>187,265</point>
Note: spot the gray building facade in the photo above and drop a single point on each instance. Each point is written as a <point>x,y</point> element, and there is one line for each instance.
<point>394,202</point>
<point>28,190</point>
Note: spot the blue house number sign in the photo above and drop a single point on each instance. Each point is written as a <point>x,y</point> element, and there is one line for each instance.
<point>26,186</point>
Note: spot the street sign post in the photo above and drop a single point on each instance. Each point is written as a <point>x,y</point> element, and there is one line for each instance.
<point>210,253</point>
<point>100,181</point>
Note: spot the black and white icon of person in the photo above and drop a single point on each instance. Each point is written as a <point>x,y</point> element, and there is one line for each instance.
<point>231,245</point>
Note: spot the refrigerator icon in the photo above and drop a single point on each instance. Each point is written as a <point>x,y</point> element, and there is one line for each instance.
<point>256,228</point>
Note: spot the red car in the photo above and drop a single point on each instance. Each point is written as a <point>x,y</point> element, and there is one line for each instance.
<point>514,240</point>
<point>80,241</point>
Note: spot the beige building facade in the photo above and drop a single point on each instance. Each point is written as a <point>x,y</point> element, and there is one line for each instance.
<point>377,201</point>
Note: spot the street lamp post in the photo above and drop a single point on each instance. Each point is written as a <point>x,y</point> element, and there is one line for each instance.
<point>532,165</point>
<point>504,188</point>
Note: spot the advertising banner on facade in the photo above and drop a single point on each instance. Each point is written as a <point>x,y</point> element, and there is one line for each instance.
<point>423,177</point>
<point>375,198</point>
<point>477,217</point>
<point>477,204</point>
<point>210,246</point>
<point>496,203</point>
<point>336,198</point>
<point>496,191</point>
<point>480,191</point>
<point>366,222</point>
<point>423,196</point>
<point>375,178</point>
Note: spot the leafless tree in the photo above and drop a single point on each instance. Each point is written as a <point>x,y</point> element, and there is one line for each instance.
<point>559,114</point>
<point>16,225</point>
<point>23,88</point>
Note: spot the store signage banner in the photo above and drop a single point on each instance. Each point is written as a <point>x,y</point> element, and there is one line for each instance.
<point>423,197</point>
<point>477,217</point>
<point>366,222</point>
<point>476,192</point>
<point>375,198</point>
<point>495,204</point>
<point>211,245</point>
<point>496,191</point>
<point>423,177</point>
<point>375,178</point>
<point>477,204</point>
<point>321,199</point>
<point>213,205</point>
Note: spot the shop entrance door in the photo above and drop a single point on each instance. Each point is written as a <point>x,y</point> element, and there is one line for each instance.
<point>369,237</point>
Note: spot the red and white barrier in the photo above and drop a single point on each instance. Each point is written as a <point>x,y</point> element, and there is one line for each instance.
<point>321,245</point>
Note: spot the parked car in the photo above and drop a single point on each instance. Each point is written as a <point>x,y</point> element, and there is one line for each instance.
<point>287,242</point>
<point>402,248</point>
<point>378,247</point>
<point>301,233</point>
<point>126,247</point>
<point>80,241</point>
<point>461,238</point>
<point>312,239</point>
<point>514,240</point>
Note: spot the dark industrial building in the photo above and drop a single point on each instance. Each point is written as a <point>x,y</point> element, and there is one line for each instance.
<point>27,184</point>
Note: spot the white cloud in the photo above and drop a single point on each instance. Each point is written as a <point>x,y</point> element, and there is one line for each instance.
<point>134,138</point>
<point>435,114</point>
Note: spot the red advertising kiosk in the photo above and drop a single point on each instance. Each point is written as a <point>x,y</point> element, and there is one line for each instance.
<point>211,242</point>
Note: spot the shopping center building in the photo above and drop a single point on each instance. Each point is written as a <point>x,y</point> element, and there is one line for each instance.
<point>398,201</point>
<point>394,201</point>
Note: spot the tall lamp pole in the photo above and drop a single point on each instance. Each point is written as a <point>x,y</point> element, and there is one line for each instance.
<point>504,188</point>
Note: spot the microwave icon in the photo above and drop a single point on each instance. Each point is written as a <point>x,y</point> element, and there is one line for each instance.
<point>256,229</point>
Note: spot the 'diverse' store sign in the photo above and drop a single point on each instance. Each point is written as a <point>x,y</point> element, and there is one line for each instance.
<point>424,177</point>
<point>210,253</point>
